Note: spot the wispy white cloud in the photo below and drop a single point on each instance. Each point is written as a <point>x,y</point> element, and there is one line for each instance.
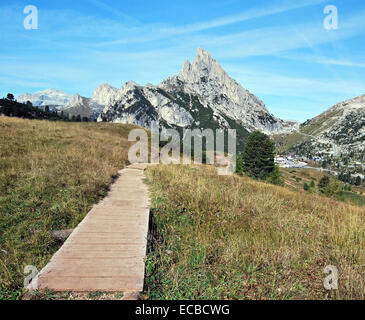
<point>295,97</point>
<point>23,83</point>
<point>274,83</point>
<point>102,5</point>
<point>76,51</point>
<point>340,63</point>
<point>155,32</point>
<point>273,40</point>
<point>311,58</point>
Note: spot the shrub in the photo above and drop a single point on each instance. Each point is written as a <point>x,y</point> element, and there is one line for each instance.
<point>323,183</point>
<point>275,177</point>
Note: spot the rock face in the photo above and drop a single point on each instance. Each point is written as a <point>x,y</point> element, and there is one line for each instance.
<point>91,107</point>
<point>206,79</point>
<point>104,94</point>
<point>343,124</point>
<point>80,106</point>
<point>201,96</point>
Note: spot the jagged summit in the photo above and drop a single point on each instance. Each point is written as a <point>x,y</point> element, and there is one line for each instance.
<point>203,66</point>
<point>201,95</point>
<point>104,94</point>
<point>77,100</point>
<point>204,60</point>
<point>206,79</point>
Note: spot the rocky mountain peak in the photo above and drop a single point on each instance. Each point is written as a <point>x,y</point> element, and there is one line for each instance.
<point>77,100</point>
<point>204,66</point>
<point>104,94</point>
<point>204,61</point>
<point>200,89</point>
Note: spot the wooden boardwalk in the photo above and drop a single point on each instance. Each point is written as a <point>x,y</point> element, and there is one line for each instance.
<point>106,251</point>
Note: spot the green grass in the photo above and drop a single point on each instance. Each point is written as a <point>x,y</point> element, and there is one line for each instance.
<point>51,173</point>
<point>354,198</point>
<point>229,237</point>
<point>284,141</point>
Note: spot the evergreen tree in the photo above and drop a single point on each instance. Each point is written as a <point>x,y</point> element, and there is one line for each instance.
<point>258,155</point>
<point>323,183</point>
<point>275,177</point>
<point>239,165</point>
<point>357,181</point>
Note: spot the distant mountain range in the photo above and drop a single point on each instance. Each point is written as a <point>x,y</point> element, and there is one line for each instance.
<point>73,104</point>
<point>203,96</point>
<point>49,97</point>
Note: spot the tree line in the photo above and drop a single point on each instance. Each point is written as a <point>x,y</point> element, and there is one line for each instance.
<point>12,108</point>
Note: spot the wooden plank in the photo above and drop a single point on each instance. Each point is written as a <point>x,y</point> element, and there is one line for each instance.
<point>106,251</point>
<point>90,284</point>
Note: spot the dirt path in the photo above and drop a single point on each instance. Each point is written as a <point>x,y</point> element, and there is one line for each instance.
<point>106,251</point>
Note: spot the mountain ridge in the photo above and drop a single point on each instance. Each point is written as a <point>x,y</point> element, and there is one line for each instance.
<point>201,95</point>
<point>338,130</point>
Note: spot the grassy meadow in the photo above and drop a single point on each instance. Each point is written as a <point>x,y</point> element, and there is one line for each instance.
<point>212,237</point>
<point>230,237</point>
<point>51,173</point>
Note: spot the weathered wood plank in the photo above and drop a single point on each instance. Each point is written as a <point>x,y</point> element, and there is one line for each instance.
<point>106,251</point>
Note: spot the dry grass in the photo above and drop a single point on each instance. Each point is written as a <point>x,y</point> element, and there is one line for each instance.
<point>296,177</point>
<point>51,173</point>
<point>231,237</point>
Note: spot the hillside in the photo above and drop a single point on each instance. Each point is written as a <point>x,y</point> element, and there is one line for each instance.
<point>212,236</point>
<point>51,173</point>
<point>338,130</point>
<point>295,179</point>
<point>229,237</point>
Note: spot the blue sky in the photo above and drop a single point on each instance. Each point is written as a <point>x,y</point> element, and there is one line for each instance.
<point>277,49</point>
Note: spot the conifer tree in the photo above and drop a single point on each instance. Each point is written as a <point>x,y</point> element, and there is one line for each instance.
<point>258,155</point>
